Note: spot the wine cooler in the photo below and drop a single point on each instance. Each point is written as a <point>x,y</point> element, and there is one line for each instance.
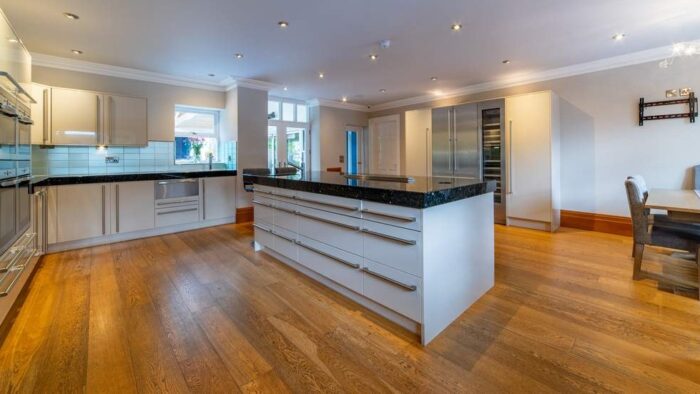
<point>491,125</point>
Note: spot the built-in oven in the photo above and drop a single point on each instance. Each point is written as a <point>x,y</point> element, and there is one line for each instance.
<point>24,197</point>
<point>24,136</point>
<point>8,204</point>
<point>8,129</point>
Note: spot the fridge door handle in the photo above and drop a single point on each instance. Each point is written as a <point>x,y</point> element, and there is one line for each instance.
<point>510,157</point>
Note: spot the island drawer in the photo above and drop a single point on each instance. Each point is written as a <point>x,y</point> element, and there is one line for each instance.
<point>339,205</point>
<point>340,231</point>
<point>393,246</point>
<point>392,288</point>
<point>284,243</point>
<point>263,234</point>
<point>263,209</point>
<point>285,215</point>
<point>337,265</point>
<point>391,214</point>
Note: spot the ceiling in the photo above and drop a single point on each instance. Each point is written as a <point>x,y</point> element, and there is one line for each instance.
<point>195,38</point>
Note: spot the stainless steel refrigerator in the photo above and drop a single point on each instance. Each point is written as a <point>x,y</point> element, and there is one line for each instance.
<point>468,142</point>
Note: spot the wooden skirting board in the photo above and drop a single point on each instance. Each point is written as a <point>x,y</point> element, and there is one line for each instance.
<point>244,215</point>
<point>597,222</point>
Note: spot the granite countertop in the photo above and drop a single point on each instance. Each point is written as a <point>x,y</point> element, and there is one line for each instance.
<point>423,192</point>
<point>39,181</point>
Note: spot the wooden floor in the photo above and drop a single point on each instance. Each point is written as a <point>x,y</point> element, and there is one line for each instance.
<point>201,312</point>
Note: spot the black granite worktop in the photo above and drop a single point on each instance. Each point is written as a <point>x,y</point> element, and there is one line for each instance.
<point>423,192</point>
<point>142,176</point>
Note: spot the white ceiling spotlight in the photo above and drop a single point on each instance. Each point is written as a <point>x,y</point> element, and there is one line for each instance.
<point>373,57</point>
<point>238,56</point>
<point>321,75</point>
<point>456,27</point>
<point>283,24</point>
<point>76,51</point>
<point>345,99</point>
<point>382,90</point>
<point>433,79</point>
<point>285,88</point>
<point>71,16</point>
<point>619,36</point>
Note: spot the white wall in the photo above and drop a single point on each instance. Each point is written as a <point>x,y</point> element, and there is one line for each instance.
<point>161,98</point>
<point>601,143</point>
<point>328,126</point>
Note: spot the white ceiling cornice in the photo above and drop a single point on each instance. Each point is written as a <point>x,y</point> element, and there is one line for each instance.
<point>232,82</point>
<point>319,102</point>
<point>629,59</point>
<point>40,59</point>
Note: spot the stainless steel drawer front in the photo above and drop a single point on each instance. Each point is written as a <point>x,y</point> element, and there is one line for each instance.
<point>180,188</point>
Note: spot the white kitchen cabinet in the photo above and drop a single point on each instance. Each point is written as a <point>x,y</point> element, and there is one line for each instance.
<point>126,121</point>
<point>134,206</point>
<point>532,158</point>
<point>39,132</point>
<point>81,212</point>
<point>14,57</point>
<point>75,117</point>
<point>219,197</point>
<point>418,142</point>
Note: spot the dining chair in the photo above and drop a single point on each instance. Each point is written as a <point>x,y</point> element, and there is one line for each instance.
<point>670,235</point>
<point>696,177</point>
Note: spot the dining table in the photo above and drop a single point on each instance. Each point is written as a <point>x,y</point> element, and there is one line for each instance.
<point>681,205</point>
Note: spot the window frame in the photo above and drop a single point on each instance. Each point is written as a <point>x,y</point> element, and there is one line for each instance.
<point>217,130</point>
<point>282,125</point>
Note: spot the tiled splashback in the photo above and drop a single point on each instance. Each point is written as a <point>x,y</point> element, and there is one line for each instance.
<point>82,160</point>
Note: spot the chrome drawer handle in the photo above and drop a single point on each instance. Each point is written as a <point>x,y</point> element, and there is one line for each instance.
<point>293,212</point>
<point>17,271</point>
<point>389,237</point>
<point>178,211</point>
<point>390,216</point>
<point>392,281</point>
<point>349,226</point>
<point>292,240</point>
<point>263,204</point>
<point>339,206</point>
<point>349,264</point>
<point>267,230</point>
<point>175,202</point>
<point>188,180</point>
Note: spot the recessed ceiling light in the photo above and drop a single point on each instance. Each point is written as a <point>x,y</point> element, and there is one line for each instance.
<point>321,75</point>
<point>283,24</point>
<point>373,57</point>
<point>238,56</point>
<point>506,61</point>
<point>345,99</point>
<point>456,26</point>
<point>382,90</point>
<point>13,40</point>
<point>71,16</point>
<point>76,51</point>
<point>433,79</point>
<point>285,88</point>
<point>618,36</point>
<point>211,75</point>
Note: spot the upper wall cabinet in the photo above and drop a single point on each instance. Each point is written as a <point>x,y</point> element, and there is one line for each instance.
<point>14,58</point>
<point>80,117</point>
<point>126,121</point>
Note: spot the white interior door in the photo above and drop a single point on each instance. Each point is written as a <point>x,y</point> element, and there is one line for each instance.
<point>384,145</point>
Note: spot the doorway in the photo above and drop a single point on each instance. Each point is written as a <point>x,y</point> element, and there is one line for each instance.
<point>384,145</point>
<point>354,149</point>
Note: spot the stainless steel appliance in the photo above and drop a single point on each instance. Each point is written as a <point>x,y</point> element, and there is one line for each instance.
<point>17,241</point>
<point>177,201</point>
<point>467,142</point>
<point>491,127</point>
<point>456,150</point>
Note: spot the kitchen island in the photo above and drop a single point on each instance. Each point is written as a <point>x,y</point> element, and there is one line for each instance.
<point>418,251</point>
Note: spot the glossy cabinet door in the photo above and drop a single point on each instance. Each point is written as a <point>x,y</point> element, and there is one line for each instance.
<point>40,135</point>
<point>133,207</point>
<point>532,159</point>
<point>76,117</point>
<point>219,197</point>
<point>126,121</point>
<point>81,212</point>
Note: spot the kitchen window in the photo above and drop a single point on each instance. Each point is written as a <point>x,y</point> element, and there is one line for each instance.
<point>196,135</point>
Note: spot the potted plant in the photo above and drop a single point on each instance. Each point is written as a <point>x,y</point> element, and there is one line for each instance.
<point>197,143</point>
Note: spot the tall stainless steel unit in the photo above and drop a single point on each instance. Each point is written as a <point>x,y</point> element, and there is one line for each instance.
<point>456,142</point>
<point>491,126</point>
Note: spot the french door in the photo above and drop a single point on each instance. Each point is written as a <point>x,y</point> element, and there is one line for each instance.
<point>287,145</point>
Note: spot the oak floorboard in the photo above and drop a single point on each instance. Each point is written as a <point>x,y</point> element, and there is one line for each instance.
<point>201,311</point>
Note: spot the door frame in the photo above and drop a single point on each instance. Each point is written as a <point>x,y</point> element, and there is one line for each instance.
<point>362,147</point>
<point>372,122</point>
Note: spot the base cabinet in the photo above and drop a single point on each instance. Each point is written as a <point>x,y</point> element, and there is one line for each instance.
<point>81,212</point>
<point>219,196</point>
<point>134,206</point>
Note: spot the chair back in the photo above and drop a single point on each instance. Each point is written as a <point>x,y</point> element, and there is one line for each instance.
<point>696,183</point>
<point>642,185</point>
<point>640,214</point>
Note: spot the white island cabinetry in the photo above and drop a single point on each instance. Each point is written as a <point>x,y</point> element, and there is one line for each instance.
<point>420,268</point>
